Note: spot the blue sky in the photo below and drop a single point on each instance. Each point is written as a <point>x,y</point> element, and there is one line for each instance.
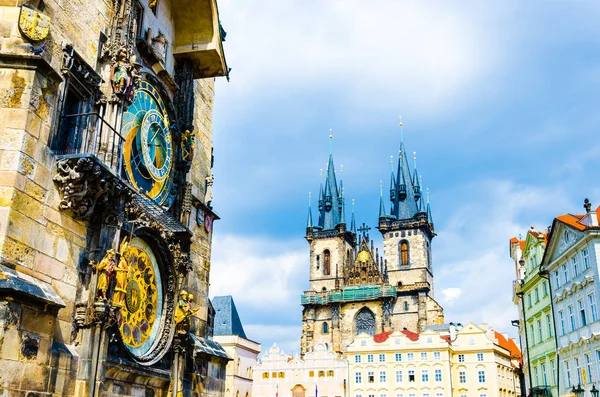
<point>499,99</point>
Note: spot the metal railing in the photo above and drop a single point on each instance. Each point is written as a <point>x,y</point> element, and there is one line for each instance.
<point>349,294</point>
<point>90,134</point>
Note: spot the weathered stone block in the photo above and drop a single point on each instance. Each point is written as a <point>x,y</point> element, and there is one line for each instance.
<point>49,266</point>
<point>35,321</point>
<point>11,344</point>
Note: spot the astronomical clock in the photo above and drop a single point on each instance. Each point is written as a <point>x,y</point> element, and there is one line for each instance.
<point>140,300</point>
<point>148,150</point>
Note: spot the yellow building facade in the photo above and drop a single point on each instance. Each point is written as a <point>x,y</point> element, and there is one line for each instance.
<point>468,361</point>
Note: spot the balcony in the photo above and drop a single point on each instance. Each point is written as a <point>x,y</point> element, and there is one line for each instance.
<point>349,294</point>
<point>89,160</point>
<point>199,37</point>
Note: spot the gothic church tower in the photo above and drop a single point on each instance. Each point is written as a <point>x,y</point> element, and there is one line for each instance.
<point>354,290</point>
<point>407,232</point>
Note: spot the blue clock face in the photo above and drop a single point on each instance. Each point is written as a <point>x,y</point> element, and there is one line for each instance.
<point>148,149</point>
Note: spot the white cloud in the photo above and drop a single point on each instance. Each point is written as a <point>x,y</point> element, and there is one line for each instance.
<point>263,272</point>
<point>471,252</point>
<point>425,55</point>
<point>449,295</point>
<point>286,337</point>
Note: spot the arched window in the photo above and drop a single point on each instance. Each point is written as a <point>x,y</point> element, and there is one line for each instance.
<point>325,328</point>
<point>404,253</point>
<point>405,306</point>
<point>365,322</point>
<point>326,262</point>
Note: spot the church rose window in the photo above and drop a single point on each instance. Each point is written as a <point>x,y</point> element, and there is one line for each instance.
<point>404,253</point>
<point>365,322</point>
<point>326,263</point>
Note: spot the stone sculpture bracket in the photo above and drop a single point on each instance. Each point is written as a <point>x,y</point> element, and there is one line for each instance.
<point>84,183</point>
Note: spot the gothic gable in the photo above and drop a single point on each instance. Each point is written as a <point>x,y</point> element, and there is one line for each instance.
<point>563,238</point>
<point>365,269</point>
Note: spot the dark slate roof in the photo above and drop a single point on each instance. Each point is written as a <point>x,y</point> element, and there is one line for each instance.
<point>14,282</point>
<point>208,346</point>
<point>227,320</point>
<point>158,214</point>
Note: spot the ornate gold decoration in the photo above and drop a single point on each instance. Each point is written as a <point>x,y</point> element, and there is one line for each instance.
<point>33,24</point>
<point>183,312</point>
<point>121,275</point>
<point>105,271</point>
<point>138,311</point>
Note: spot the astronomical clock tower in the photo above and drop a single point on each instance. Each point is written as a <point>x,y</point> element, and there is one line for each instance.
<point>106,206</point>
<point>354,289</point>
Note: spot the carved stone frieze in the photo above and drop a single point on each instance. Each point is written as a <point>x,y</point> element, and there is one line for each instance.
<point>83,184</point>
<point>181,258</point>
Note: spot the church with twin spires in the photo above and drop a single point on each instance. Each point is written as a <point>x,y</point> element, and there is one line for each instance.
<point>353,288</point>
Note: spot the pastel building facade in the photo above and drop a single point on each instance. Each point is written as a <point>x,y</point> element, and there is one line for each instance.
<point>532,291</point>
<point>442,361</point>
<point>571,262</point>
<point>229,333</point>
<point>319,373</point>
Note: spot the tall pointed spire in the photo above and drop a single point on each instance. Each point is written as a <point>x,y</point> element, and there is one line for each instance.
<point>429,217</point>
<point>309,221</point>
<point>330,211</point>
<point>353,221</point>
<point>415,179</point>
<point>342,204</point>
<point>381,205</point>
<point>404,205</point>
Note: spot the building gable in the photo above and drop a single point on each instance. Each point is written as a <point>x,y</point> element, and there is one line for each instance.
<point>563,238</point>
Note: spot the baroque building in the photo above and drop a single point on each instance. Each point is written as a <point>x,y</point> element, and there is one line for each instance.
<point>352,288</point>
<point>106,197</point>
<point>571,262</point>
<point>536,322</point>
<point>320,373</point>
<point>442,361</point>
<point>229,333</point>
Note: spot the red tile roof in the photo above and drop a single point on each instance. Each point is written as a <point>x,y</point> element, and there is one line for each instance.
<point>508,344</point>
<point>411,335</point>
<point>572,220</point>
<point>382,337</point>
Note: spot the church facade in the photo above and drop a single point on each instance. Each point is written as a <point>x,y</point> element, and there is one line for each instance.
<point>353,289</point>
<point>105,197</point>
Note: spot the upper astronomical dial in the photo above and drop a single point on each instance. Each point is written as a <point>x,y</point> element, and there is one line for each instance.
<point>148,149</point>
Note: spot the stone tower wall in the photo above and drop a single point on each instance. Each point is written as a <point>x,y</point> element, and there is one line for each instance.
<point>419,257</point>
<point>338,248</point>
<point>39,350</point>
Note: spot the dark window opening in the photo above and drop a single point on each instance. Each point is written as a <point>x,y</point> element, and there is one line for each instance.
<point>326,263</point>
<point>138,12</point>
<point>404,253</point>
<point>325,328</point>
<point>411,378</point>
<point>76,104</point>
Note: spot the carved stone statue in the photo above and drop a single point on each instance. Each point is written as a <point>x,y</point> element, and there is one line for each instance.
<point>208,196</point>
<point>183,312</point>
<point>187,146</point>
<point>125,73</point>
<point>105,271</point>
<point>159,46</point>
<point>121,275</point>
